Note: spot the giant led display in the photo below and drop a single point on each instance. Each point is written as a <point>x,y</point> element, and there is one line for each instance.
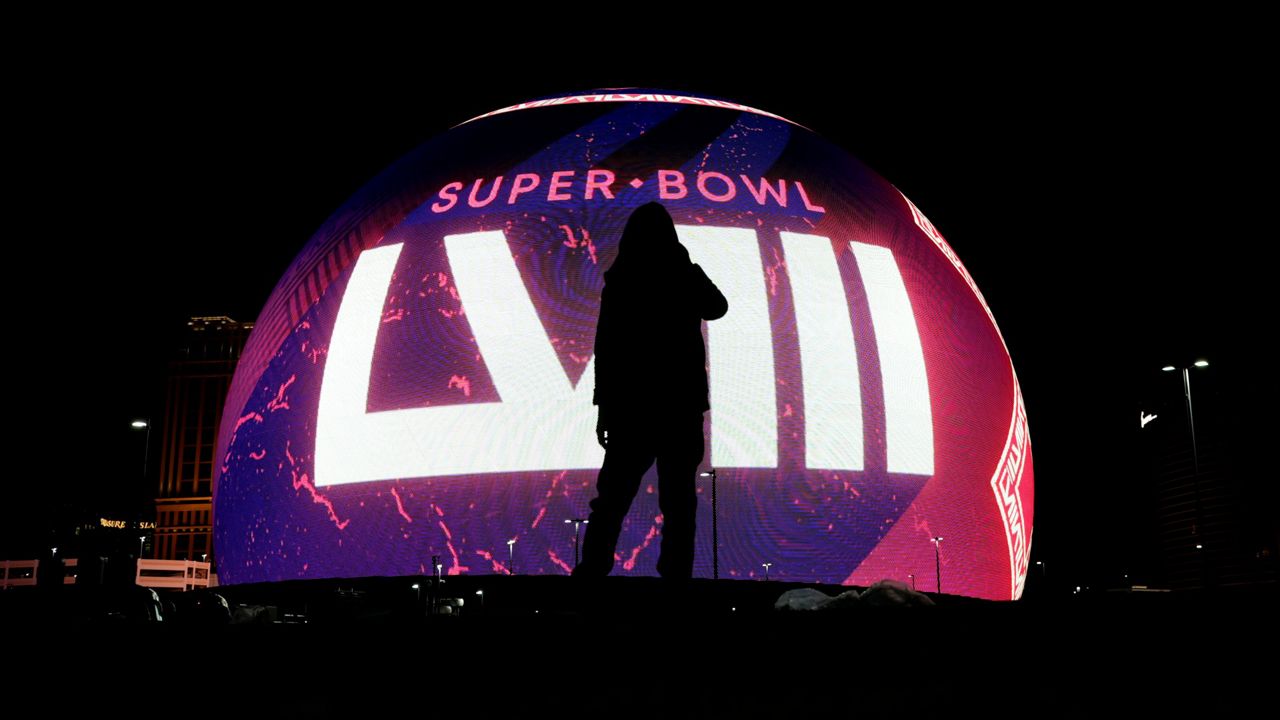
<point>419,384</point>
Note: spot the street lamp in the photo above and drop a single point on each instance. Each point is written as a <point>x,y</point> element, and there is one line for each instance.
<point>511,556</point>
<point>715,526</point>
<point>577,522</point>
<point>1195,451</point>
<point>480,593</point>
<point>1191,421</point>
<point>912,578</point>
<point>766,567</point>
<point>144,424</point>
<point>142,540</point>
<point>937,560</point>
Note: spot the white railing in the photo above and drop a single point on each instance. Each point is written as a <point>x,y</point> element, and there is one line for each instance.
<point>169,574</point>
<point>172,574</point>
<point>18,573</point>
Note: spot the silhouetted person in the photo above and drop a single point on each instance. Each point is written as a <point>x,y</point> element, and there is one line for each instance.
<point>651,387</point>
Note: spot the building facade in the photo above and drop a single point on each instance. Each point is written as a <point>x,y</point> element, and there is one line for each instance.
<point>195,392</point>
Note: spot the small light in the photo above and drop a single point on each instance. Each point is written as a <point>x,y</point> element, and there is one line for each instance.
<point>704,474</point>
<point>1168,368</point>
<point>413,586</point>
<point>480,593</point>
<point>139,424</point>
<point>1199,547</point>
<point>1202,363</point>
<point>511,542</point>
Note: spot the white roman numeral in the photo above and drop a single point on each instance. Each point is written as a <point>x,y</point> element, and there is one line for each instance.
<point>744,406</point>
<point>907,417</point>
<point>544,423</point>
<point>828,355</point>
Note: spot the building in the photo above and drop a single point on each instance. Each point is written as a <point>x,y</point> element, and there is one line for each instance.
<point>195,392</point>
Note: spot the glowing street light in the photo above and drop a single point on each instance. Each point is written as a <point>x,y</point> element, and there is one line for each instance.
<point>577,522</point>
<point>766,567</point>
<point>511,556</point>
<point>144,424</point>
<point>1195,452</point>
<point>937,560</point>
<point>715,526</point>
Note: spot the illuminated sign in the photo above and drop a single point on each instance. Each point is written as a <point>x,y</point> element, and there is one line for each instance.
<point>420,381</point>
<point>123,524</point>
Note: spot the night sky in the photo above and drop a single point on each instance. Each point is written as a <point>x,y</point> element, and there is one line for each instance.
<point>1105,192</point>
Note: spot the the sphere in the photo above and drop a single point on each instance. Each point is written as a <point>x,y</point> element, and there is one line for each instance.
<point>419,384</point>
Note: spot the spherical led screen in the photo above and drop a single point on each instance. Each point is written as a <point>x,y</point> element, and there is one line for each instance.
<point>420,382</point>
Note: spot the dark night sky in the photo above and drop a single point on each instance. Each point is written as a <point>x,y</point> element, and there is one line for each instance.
<point>1101,190</point>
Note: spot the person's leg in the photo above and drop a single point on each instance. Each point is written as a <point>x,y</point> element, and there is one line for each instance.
<point>625,462</point>
<point>679,454</point>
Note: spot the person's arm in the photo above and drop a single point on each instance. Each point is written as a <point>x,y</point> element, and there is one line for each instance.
<point>708,299</point>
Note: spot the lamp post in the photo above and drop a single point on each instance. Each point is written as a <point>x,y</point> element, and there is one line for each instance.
<point>912,578</point>
<point>1195,454</point>
<point>1191,418</point>
<point>937,560</point>
<point>577,523</point>
<point>715,527</point>
<point>511,556</point>
<point>766,567</point>
<point>144,424</point>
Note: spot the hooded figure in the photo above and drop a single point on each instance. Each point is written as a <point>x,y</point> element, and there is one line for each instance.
<point>651,388</point>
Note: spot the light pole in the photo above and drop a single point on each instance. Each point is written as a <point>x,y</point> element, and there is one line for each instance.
<point>766,567</point>
<point>912,578</point>
<point>142,540</point>
<point>1195,454</point>
<point>577,523</point>
<point>511,556</point>
<point>715,527</point>
<point>144,424</point>
<point>937,560</point>
<point>1191,419</point>
<point>480,593</point>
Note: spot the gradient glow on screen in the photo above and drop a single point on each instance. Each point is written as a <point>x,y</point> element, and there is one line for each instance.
<point>419,383</point>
